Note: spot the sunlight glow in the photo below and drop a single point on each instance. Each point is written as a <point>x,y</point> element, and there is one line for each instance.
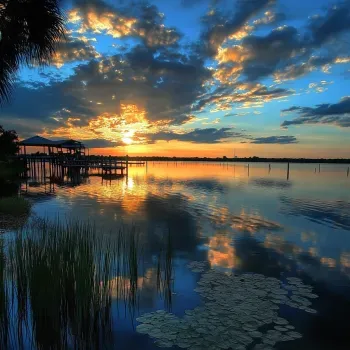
<point>127,140</point>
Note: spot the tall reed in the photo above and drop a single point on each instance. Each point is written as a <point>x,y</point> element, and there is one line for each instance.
<point>57,282</point>
<point>165,270</point>
<point>60,280</point>
<point>4,306</point>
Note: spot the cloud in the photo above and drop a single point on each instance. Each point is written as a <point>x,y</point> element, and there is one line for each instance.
<point>319,87</point>
<point>282,140</point>
<point>215,121</point>
<point>210,135</point>
<point>335,22</point>
<point>270,18</point>
<point>100,143</point>
<point>74,49</point>
<point>163,86</point>
<point>297,70</point>
<point>245,95</point>
<point>231,114</point>
<point>99,17</point>
<point>335,114</point>
<point>268,53</point>
<point>42,102</point>
<point>165,81</point>
<point>285,52</point>
<point>151,29</point>
<point>220,26</point>
<point>140,20</point>
<point>22,127</point>
<point>294,71</point>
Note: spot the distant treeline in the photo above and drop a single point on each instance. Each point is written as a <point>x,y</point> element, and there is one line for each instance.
<point>246,160</point>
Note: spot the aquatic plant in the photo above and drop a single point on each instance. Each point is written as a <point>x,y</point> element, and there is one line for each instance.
<point>165,270</point>
<point>60,276</point>
<point>57,281</point>
<point>239,311</point>
<point>4,314</point>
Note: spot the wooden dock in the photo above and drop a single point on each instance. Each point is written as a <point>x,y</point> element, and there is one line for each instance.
<point>57,165</point>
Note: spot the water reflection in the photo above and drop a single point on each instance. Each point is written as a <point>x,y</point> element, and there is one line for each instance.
<point>253,223</point>
<point>331,213</point>
<point>261,224</point>
<point>221,253</point>
<point>332,305</point>
<point>269,183</point>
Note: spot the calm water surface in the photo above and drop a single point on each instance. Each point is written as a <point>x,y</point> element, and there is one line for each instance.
<point>234,219</point>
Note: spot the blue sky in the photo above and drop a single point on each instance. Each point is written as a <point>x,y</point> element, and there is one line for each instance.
<point>194,77</point>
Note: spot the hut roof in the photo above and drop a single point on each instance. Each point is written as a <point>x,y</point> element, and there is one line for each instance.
<point>41,142</point>
<point>37,141</point>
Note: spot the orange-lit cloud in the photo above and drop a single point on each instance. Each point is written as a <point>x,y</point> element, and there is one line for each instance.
<point>108,22</point>
<point>268,18</point>
<point>109,127</point>
<point>241,33</point>
<point>232,54</point>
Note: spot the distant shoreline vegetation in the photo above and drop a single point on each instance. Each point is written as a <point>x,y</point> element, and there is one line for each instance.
<point>226,159</point>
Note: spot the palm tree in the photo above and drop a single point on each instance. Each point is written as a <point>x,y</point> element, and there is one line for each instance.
<point>29,32</point>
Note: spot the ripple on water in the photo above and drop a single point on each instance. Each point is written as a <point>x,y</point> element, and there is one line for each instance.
<point>335,213</point>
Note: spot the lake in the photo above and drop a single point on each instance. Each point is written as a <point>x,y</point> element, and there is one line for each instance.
<point>258,261</point>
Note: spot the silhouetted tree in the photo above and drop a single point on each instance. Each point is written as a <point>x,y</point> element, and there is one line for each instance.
<point>8,143</point>
<point>29,32</point>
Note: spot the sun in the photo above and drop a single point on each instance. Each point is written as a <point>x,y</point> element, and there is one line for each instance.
<point>127,137</point>
<point>127,140</point>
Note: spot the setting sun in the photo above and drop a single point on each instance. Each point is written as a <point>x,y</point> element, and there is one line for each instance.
<point>127,140</point>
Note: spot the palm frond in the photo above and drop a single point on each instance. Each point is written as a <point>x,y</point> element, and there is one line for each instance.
<point>30,31</point>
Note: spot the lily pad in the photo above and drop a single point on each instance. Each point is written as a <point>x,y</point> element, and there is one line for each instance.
<point>237,310</point>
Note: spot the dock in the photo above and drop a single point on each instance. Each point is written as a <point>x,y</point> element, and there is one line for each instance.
<point>59,166</point>
<point>67,158</point>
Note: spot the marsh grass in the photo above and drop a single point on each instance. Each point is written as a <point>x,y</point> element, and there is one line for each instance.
<point>57,282</point>
<point>14,206</point>
<point>165,270</point>
<point>61,274</point>
<point>4,310</point>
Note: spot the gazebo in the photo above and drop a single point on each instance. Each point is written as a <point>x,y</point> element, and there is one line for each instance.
<point>70,146</point>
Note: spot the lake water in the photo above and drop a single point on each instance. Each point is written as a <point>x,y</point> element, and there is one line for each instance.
<point>232,221</point>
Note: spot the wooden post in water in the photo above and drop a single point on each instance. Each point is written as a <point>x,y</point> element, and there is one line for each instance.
<point>44,170</point>
<point>269,168</point>
<point>127,165</point>
<point>347,173</point>
<point>248,170</point>
<point>50,172</point>
<point>34,167</point>
<point>319,168</point>
<point>288,171</point>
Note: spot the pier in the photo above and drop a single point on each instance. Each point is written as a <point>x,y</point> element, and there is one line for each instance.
<point>68,158</point>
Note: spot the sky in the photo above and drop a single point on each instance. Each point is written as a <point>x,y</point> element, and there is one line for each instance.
<point>206,78</point>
